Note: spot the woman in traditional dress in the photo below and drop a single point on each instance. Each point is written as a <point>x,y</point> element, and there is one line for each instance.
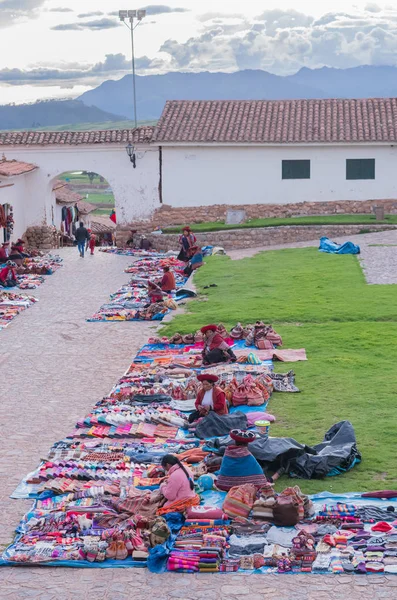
<point>216,350</point>
<point>209,397</point>
<point>238,465</point>
<point>187,241</point>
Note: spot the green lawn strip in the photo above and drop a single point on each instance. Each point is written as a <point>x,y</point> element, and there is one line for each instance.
<point>100,198</point>
<point>365,219</point>
<point>322,303</point>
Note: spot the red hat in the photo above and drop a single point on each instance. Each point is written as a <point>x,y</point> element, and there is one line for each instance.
<point>209,328</point>
<point>382,526</point>
<point>242,436</point>
<point>187,228</point>
<point>208,377</point>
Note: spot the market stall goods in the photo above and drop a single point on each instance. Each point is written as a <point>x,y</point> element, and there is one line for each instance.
<point>98,500</point>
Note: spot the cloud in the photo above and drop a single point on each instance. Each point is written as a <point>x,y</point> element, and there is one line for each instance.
<point>16,11</point>
<point>97,13</point>
<point>70,74</point>
<point>282,42</point>
<point>96,25</point>
<point>61,9</point>
<point>161,9</point>
<point>372,7</point>
<point>210,16</point>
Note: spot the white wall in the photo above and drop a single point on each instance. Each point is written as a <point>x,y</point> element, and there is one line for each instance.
<point>135,190</point>
<point>200,176</point>
<point>18,195</point>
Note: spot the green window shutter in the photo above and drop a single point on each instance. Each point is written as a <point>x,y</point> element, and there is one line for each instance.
<point>360,168</point>
<point>296,169</point>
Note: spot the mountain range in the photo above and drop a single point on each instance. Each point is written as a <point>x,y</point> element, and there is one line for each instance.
<point>111,102</point>
<point>154,90</point>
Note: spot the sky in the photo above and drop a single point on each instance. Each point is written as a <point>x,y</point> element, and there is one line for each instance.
<point>61,48</point>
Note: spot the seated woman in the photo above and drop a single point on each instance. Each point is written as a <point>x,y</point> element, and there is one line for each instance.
<point>8,275</point>
<point>238,465</point>
<point>4,251</point>
<point>195,262</point>
<point>154,292</point>
<point>216,350</point>
<point>19,248</point>
<point>168,281</point>
<point>178,490</point>
<point>209,397</point>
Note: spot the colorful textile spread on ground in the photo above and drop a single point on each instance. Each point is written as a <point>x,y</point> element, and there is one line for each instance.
<point>11,304</point>
<point>31,274</point>
<point>98,500</point>
<point>132,303</point>
<point>130,252</point>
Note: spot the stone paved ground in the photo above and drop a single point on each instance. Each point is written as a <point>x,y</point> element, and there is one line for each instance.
<point>54,367</point>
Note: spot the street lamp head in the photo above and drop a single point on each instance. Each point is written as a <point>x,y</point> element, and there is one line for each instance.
<point>132,14</point>
<point>131,153</point>
<point>123,14</point>
<point>141,14</point>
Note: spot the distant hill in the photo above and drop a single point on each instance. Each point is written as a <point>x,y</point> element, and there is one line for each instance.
<point>50,113</point>
<point>110,105</point>
<point>154,90</point>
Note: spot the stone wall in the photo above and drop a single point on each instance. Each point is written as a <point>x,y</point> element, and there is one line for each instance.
<point>41,237</point>
<point>167,216</point>
<point>235,239</point>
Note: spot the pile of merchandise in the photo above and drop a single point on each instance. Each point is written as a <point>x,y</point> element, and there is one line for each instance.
<point>131,302</point>
<point>129,251</point>
<point>30,274</point>
<point>97,497</point>
<point>11,304</point>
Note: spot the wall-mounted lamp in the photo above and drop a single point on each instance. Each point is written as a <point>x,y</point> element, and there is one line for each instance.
<point>131,153</point>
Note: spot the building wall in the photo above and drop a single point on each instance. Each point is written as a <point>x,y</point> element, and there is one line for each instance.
<point>204,176</point>
<point>18,195</point>
<point>135,190</point>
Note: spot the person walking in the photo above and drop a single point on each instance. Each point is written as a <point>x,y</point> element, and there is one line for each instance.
<point>81,236</point>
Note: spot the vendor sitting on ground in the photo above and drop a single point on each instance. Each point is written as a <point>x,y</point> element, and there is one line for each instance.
<point>195,262</point>
<point>4,251</point>
<point>216,350</point>
<point>155,293</point>
<point>168,281</point>
<point>178,489</point>
<point>19,248</point>
<point>209,397</point>
<point>238,465</point>
<point>8,275</point>
<point>145,243</point>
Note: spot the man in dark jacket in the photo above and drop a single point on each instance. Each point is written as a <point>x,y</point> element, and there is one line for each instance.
<point>81,236</point>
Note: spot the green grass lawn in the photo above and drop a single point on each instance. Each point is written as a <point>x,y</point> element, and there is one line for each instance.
<point>368,219</point>
<point>320,302</point>
<point>100,198</point>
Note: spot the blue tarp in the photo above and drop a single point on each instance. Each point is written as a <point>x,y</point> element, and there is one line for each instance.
<point>326,245</point>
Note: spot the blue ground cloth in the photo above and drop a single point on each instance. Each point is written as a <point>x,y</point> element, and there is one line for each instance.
<point>326,245</point>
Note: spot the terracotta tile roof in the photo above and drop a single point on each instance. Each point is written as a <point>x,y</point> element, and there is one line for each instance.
<point>64,195</point>
<point>11,168</point>
<point>85,207</point>
<point>281,121</point>
<point>140,135</point>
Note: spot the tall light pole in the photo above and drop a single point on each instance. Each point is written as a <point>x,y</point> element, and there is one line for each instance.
<point>131,15</point>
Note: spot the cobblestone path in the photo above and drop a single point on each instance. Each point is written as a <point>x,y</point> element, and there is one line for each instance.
<point>54,367</point>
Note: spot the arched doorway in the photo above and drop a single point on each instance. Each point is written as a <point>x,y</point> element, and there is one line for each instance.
<point>83,196</point>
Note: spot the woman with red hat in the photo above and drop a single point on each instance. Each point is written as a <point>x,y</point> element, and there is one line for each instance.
<point>209,397</point>
<point>187,242</point>
<point>216,350</point>
<point>8,275</point>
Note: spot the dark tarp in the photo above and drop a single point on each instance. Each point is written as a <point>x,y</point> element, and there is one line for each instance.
<point>218,425</point>
<point>336,454</point>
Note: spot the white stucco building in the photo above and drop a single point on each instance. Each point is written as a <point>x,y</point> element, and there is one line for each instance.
<point>217,152</point>
<point>277,152</point>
